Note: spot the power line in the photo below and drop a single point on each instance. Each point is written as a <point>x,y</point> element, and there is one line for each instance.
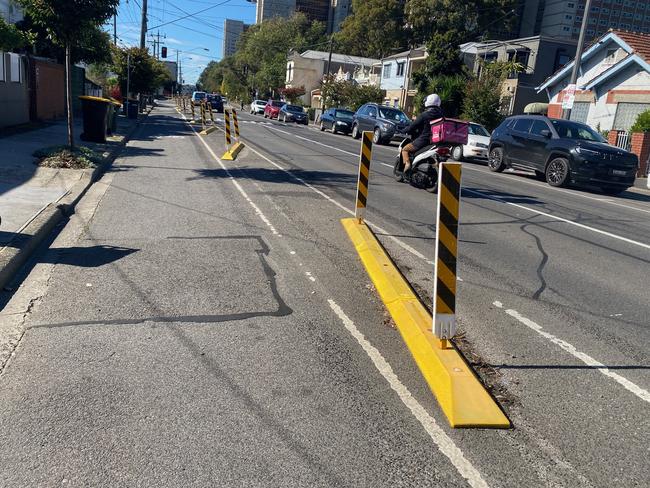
<point>190,15</point>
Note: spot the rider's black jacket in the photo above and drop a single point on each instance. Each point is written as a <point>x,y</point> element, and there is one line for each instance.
<point>420,130</point>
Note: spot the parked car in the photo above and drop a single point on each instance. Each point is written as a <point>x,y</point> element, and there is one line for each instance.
<point>478,141</point>
<point>215,101</point>
<point>272,109</point>
<point>197,97</point>
<point>257,107</point>
<point>386,123</point>
<point>561,152</point>
<point>293,113</point>
<point>337,120</point>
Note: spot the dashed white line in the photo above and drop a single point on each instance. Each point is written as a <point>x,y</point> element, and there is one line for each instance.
<point>445,444</point>
<point>585,358</point>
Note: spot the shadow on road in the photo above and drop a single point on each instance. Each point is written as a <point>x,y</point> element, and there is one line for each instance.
<point>279,176</point>
<point>86,257</point>
<point>482,193</point>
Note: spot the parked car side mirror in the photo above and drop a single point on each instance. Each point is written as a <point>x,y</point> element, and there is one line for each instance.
<point>545,133</point>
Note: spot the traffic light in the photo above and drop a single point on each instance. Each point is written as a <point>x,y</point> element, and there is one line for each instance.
<point>163,52</point>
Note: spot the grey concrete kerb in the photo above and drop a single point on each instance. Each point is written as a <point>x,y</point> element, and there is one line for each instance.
<point>18,251</point>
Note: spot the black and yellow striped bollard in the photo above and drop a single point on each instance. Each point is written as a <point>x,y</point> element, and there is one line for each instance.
<point>193,114</point>
<point>444,291</point>
<point>203,117</point>
<point>236,122</point>
<point>226,118</point>
<point>364,176</point>
<point>211,114</point>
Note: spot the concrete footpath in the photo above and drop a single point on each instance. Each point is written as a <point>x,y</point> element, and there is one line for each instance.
<point>33,198</point>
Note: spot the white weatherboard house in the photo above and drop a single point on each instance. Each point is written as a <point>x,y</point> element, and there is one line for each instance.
<point>613,84</point>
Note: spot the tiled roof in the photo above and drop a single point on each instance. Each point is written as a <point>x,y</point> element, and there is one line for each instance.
<point>640,43</point>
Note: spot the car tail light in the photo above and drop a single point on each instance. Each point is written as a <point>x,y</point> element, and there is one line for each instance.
<point>442,151</point>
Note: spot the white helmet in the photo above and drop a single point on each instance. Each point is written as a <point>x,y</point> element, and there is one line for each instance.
<point>432,100</point>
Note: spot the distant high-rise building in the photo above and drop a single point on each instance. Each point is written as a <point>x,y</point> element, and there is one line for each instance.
<point>330,12</point>
<point>267,9</point>
<point>232,30</point>
<point>340,11</point>
<point>10,11</point>
<point>562,19</point>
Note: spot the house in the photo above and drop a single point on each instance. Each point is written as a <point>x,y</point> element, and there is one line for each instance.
<point>308,69</point>
<point>396,77</point>
<point>613,84</point>
<point>540,56</point>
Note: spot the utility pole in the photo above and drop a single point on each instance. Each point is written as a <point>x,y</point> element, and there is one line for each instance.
<point>566,113</point>
<point>329,58</point>
<point>115,29</point>
<point>143,28</point>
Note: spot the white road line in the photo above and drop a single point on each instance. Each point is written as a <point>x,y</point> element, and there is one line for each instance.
<point>438,436</point>
<point>259,213</point>
<point>585,358</point>
<point>561,219</point>
<point>402,244</point>
<point>548,187</point>
<point>444,443</point>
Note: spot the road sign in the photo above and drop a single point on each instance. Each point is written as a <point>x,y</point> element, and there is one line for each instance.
<point>569,97</point>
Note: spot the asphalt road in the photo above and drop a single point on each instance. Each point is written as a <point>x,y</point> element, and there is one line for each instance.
<point>197,324</point>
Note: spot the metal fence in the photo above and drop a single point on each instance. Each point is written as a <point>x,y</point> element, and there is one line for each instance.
<point>624,140</point>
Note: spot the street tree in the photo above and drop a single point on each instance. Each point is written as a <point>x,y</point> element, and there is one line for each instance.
<point>11,37</point>
<point>293,94</point>
<point>145,73</point>
<point>65,21</point>
<point>375,29</point>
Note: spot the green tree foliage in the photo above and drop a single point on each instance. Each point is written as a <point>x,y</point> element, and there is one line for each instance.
<point>146,72</point>
<point>261,58</point>
<point>11,37</point>
<point>450,88</point>
<point>375,29</point>
<point>482,102</point>
<point>442,25</point>
<point>65,21</point>
<point>642,122</point>
<point>349,94</point>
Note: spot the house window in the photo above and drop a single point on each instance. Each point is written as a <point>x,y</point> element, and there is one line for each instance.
<point>14,67</point>
<point>2,66</point>
<point>626,114</point>
<point>570,5</point>
<point>566,29</point>
<point>561,58</point>
<point>580,111</point>
<point>387,70</point>
<point>611,55</point>
<point>400,69</point>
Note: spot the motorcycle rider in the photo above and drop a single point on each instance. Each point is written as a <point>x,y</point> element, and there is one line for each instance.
<point>420,130</point>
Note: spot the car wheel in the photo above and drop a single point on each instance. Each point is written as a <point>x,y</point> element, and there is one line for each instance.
<point>457,153</point>
<point>495,161</point>
<point>612,190</point>
<point>557,172</point>
<point>334,131</point>
<point>376,136</point>
<point>540,176</point>
<point>322,127</point>
<point>355,132</point>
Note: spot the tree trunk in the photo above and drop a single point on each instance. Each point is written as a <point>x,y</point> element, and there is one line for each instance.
<point>68,92</point>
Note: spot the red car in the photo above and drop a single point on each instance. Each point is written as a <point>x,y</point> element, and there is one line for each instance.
<point>272,109</point>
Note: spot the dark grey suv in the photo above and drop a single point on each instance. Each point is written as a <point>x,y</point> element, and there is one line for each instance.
<point>561,152</point>
<point>386,123</point>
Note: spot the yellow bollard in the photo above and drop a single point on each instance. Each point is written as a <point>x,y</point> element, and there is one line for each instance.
<point>364,176</point>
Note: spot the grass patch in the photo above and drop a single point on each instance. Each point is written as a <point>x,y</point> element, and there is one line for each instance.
<point>77,157</point>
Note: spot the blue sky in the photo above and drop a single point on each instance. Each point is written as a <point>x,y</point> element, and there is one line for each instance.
<point>204,30</point>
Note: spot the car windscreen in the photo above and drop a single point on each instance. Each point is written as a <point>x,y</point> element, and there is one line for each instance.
<point>573,130</point>
<point>199,95</point>
<point>392,114</point>
<point>277,104</point>
<point>260,102</point>
<point>478,130</point>
<point>214,97</point>
<point>294,108</point>
<point>343,114</point>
